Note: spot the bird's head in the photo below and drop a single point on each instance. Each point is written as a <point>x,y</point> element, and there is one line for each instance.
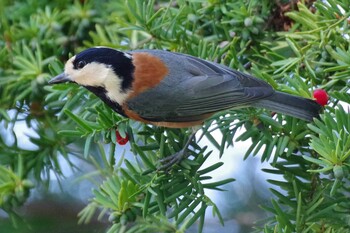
<point>104,71</point>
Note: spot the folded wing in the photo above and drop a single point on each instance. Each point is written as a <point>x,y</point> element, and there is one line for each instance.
<point>200,88</point>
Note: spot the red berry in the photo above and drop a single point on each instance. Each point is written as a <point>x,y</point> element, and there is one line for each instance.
<point>321,97</point>
<point>120,139</point>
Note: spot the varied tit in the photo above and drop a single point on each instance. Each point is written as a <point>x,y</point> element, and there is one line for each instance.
<point>172,89</point>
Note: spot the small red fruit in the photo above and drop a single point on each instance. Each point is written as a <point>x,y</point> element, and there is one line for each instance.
<point>321,97</point>
<point>120,140</point>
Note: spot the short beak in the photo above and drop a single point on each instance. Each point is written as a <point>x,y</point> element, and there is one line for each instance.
<point>61,78</point>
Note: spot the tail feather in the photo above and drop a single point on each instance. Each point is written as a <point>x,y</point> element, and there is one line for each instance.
<point>302,108</point>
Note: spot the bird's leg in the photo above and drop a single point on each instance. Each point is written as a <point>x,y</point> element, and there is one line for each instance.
<point>171,160</point>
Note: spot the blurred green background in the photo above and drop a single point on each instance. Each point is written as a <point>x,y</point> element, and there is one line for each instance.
<point>58,150</point>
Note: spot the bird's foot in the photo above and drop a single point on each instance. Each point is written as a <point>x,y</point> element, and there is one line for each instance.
<point>176,158</point>
<point>171,160</point>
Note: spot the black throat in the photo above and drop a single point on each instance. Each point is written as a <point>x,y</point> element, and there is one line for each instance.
<point>101,93</point>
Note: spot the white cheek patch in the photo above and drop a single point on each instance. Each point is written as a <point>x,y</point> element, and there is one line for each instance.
<point>113,86</point>
<point>68,68</point>
<point>92,74</point>
<point>98,75</point>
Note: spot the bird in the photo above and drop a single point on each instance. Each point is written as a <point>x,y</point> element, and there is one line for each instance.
<point>174,90</point>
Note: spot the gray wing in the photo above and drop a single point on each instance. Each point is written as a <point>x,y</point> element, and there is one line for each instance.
<point>195,87</point>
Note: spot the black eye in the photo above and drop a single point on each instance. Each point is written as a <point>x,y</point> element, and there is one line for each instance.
<point>81,64</point>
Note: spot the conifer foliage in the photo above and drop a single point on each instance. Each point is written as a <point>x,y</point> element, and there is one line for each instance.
<point>296,46</point>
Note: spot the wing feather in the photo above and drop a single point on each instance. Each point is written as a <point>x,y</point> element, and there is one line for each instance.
<point>196,87</point>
